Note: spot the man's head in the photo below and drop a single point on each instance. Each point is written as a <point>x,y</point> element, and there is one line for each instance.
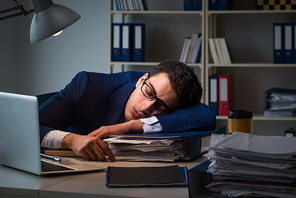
<point>170,86</point>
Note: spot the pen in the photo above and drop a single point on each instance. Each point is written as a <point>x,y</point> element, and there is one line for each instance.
<point>50,157</point>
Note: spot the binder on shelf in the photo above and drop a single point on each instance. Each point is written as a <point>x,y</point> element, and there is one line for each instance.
<point>288,43</point>
<point>225,94</point>
<point>197,54</point>
<point>213,4</point>
<point>188,4</point>
<point>196,4</point>
<point>277,43</point>
<point>116,41</point>
<point>213,51</point>
<point>139,42</point>
<point>183,147</point>
<point>183,49</point>
<point>127,42</point>
<point>225,5</point>
<point>213,93</point>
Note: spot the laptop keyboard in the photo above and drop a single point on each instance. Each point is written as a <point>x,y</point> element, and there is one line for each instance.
<point>47,167</point>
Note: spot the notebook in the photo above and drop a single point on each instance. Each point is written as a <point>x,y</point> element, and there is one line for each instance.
<point>20,141</point>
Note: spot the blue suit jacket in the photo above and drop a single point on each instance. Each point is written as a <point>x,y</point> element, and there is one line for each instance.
<point>92,100</point>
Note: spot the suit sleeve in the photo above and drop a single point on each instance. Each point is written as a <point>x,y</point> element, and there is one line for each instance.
<point>59,111</point>
<point>199,117</point>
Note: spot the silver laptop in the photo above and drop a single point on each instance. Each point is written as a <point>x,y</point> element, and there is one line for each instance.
<point>19,138</point>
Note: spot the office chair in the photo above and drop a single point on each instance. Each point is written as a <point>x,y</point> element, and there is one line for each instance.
<point>42,98</point>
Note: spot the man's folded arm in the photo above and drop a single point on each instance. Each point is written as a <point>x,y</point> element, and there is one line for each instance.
<point>199,117</point>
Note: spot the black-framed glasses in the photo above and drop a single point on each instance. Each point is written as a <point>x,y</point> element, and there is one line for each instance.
<point>150,94</point>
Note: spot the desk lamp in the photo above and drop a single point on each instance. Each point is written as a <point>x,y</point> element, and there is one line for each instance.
<point>49,19</point>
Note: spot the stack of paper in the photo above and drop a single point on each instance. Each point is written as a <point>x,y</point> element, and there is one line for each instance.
<point>148,149</point>
<point>250,165</point>
<point>280,102</point>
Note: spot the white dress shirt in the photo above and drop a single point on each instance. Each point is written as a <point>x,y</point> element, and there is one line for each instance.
<point>53,139</point>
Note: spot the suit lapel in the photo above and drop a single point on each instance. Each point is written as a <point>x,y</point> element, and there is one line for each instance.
<point>113,111</point>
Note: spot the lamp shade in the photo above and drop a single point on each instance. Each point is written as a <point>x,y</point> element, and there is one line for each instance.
<point>49,19</point>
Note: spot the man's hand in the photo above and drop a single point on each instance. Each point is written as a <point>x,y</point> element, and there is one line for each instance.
<point>132,126</point>
<point>90,148</point>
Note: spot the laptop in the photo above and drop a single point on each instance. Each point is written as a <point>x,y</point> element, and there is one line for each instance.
<point>20,142</point>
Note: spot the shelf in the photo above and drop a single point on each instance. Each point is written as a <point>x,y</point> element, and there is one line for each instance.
<point>252,12</point>
<point>150,64</point>
<point>177,12</point>
<point>251,65</point>
<point>261,117</point>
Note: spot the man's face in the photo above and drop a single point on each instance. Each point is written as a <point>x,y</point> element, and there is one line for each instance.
<point>138,104</point>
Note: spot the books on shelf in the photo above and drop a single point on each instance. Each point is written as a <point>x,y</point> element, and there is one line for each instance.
<point>280,102</point>
<point>130,5</point>
<point>219,51</point>
<point>191,50</point>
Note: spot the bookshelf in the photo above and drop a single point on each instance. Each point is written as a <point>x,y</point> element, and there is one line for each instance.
<point>252,60</point>
<point>249,36</point>
<point>165,45</point>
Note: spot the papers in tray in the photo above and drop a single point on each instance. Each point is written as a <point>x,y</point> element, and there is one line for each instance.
<point>251,165</point>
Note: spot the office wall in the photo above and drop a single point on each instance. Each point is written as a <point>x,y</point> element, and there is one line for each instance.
<point>8,48</point>
<point>50,64</point>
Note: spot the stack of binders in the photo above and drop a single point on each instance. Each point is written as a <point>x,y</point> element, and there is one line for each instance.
<point>284,43</point>
<point>221,94</point>
<point>280,102</point>
<point>220,4</point>
<point>191,51</point>
<point>128,42</point>
<point>131,5</point>
<point>219,51</point>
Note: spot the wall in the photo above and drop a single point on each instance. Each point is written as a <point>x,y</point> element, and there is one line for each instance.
<point>50,64</point>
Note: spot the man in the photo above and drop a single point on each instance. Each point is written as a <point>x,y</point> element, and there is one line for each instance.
<point>94,106</point>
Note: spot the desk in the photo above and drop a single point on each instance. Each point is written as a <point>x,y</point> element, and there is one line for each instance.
<point>15,183</point>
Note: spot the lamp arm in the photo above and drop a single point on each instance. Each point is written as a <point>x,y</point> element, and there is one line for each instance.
<point>19,7</point>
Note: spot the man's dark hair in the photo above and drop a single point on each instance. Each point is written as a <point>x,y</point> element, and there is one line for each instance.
<point>183,80</point>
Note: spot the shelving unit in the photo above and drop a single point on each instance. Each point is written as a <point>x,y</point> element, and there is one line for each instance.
<point>149,63</point>
<point>249,34</point>
<point>246,70</point>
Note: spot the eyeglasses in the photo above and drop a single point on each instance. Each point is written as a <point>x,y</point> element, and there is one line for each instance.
<point>150,94</point>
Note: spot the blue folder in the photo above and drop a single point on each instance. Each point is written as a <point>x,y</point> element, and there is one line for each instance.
<point>225,4</point>
<point>139,42</point>
<point>213,4</point>
<point>278,43</point>
<point>127,42</point>
<point>187,4</point>
<point>288,42</point>
<point>196,4</point>
<point>213,93</point>
<point>116,41</point>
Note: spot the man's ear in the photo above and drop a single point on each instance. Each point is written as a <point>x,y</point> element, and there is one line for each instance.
<point>141,79</point>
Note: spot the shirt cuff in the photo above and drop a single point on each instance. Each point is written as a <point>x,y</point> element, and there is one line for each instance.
<point>53,139</point>
<point>151,125</point>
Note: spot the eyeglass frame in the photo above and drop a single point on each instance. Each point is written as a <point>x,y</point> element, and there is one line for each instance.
<point>154,98</point>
